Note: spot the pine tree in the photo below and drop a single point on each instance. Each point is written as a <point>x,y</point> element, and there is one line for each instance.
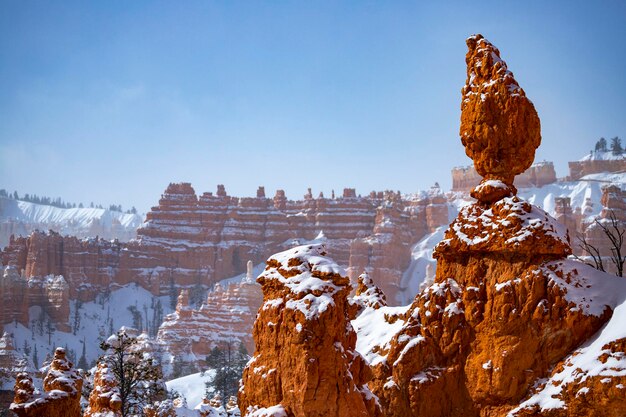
<point>82,362</point>
<point>616,146</point>
<point>138,376</point>
<point>35,357</point>
<point>228,366</point>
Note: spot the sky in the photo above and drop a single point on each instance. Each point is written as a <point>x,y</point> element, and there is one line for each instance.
<point>111,101</point>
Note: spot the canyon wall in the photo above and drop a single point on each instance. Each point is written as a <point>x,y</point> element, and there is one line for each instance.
<point>539,174</point>
<point>189,241</point>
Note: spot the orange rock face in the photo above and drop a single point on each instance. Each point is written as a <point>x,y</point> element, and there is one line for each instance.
<point>500,128</point>
<point>190,240</point>
<point>61,391</point>
<point>506,305</point>
<point>105,396</point>
<point>305,364</point>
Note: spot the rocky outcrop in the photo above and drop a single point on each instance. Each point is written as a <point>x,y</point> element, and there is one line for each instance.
<point>500,128</point>
<point>227,317</point>
<point>305,363</point>
<point>596,162</point>
<point>61,391</point>
<point>506,305</point>
<point>19,293</point>
<point>193,242</point>
<point>12,363</point>
<point>105,399</point>
<point>399,223</point>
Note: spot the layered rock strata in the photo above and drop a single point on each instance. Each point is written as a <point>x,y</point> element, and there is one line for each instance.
<point>538,175</point>
<point>226,318</point>
<point>305,363</point>
<point>189,241</point>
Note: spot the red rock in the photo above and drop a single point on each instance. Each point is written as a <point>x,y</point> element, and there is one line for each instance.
<point>61,391</point>
<point>500,128</point>
<point>227,315</point>
<point>105,397</point>
<point>538,175</point>
<point>503,308</point>
<point>305,362</point>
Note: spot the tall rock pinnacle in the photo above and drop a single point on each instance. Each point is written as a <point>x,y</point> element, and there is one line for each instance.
<point>500,127</point>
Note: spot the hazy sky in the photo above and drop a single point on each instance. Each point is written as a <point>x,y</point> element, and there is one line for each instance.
<point>110,101</point>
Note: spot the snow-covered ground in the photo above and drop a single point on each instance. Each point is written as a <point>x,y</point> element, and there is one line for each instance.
<point>192,387</point>
<point>98,319</point>
<point>22,217</point>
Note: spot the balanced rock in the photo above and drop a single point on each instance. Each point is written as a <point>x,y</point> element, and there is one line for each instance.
<point>305,363</point>
<point>506,305</point>
<point>500,128</point>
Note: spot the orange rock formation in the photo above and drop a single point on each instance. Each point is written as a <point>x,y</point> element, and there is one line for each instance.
<point>61,391</point>
<point>104,399</point>
<point>504,306</point>
<point>499,126</point>
<point>305,364</point>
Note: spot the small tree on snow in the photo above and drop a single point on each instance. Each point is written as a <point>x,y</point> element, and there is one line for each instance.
<point>138,377</point>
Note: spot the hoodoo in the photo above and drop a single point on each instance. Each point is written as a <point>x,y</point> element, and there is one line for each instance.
<point>305,363</point>
<point>506,305</point>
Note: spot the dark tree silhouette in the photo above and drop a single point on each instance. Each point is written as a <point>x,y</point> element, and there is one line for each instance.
<point>614,232</point>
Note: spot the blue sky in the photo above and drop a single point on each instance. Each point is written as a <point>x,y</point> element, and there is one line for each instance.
<point>111,101</point>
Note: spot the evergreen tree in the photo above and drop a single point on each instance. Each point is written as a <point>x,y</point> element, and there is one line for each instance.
<point>616,146</point>
<point>138,376</point>
<point>35,357</point>
<point>82,362</point>
<point>228,365</point>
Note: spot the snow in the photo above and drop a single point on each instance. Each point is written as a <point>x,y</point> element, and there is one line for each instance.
<point>375,331</point>
<point>412,343</point>
<point>307,293</point>
<point>591,290</point>
<point>192,387</point>
<point>70,221</point>
<point>603,156</point>
<point>96,320</point>
<point>480,226</point>
<point>584,362</point>
<point>273,411</point>
<point>422,263</point>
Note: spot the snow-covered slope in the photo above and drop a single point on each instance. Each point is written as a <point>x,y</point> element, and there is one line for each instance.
<point>192,387</point>
<point>602,156</point>
<point>21,217</point>
<point>584,194</point>
<point>93,321</point>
